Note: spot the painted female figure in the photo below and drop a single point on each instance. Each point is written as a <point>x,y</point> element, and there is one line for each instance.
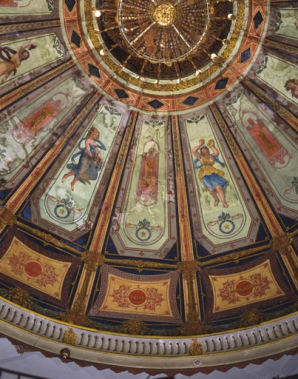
<point>211,177</point>
<point>90,160</point>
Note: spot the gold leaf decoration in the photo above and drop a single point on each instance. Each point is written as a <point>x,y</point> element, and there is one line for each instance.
<point>69,337</point>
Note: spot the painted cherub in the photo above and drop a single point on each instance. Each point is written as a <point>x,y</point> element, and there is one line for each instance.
<point>12,59</point>
<point>292,85</point>
<point>211,177</point>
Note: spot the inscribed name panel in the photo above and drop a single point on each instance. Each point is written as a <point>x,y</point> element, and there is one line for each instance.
<point>26,266</point>
<point>141,297</point>
<point>251,286</point>
<point>230,291</point>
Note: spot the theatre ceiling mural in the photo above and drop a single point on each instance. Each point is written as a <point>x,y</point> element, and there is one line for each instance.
<point>148,165</point>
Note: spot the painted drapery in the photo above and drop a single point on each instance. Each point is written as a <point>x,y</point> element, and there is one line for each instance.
<point>24,56</point>
<point>22,134</point>
<point>21,7</point>
<point>67,200</point>
<point>144,220</point>
<point>219,207</point>
<point>273,150</point>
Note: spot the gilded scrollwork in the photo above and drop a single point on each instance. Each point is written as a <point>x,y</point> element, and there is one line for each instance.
<point>136,327</point>
<point>195,348</point>
<point>282,243</point>
<point>76,316</point>
<point>142,264</point>
<point>195,327</point>
<point>236,256</point>
<point>69,337</point>
<point>93,260</point>
<point>47,238</point>
<point>251,317</point>
<point>189,268</point>
<point>20,296</point>
<point>6,217</point>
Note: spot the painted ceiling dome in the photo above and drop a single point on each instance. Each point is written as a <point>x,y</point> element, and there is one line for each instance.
<point>148,189</point>
<point>163,40</point>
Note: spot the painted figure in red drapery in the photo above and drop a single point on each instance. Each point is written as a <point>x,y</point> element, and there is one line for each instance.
<point>275,153</point>
<point>147,185</point>
<point>8,3</point>
<point>14,3</point>
<point>26,131</point>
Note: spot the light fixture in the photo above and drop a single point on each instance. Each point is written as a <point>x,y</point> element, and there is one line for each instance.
<point>96,12</point>
<point>65,353</point>
<point>216,59</point>
<point>155,35</point>
<point>231,17</point>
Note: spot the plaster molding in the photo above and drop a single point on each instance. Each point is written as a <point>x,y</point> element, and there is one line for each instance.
<point>97,347</point>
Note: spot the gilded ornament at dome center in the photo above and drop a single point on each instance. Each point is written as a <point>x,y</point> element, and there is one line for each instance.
<point>164,14</point>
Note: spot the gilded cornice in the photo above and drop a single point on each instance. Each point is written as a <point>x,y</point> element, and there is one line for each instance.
<point>91,346</point>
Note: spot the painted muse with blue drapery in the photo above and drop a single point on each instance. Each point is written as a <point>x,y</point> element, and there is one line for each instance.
<point>90,160</point>
<point>211,177</point>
